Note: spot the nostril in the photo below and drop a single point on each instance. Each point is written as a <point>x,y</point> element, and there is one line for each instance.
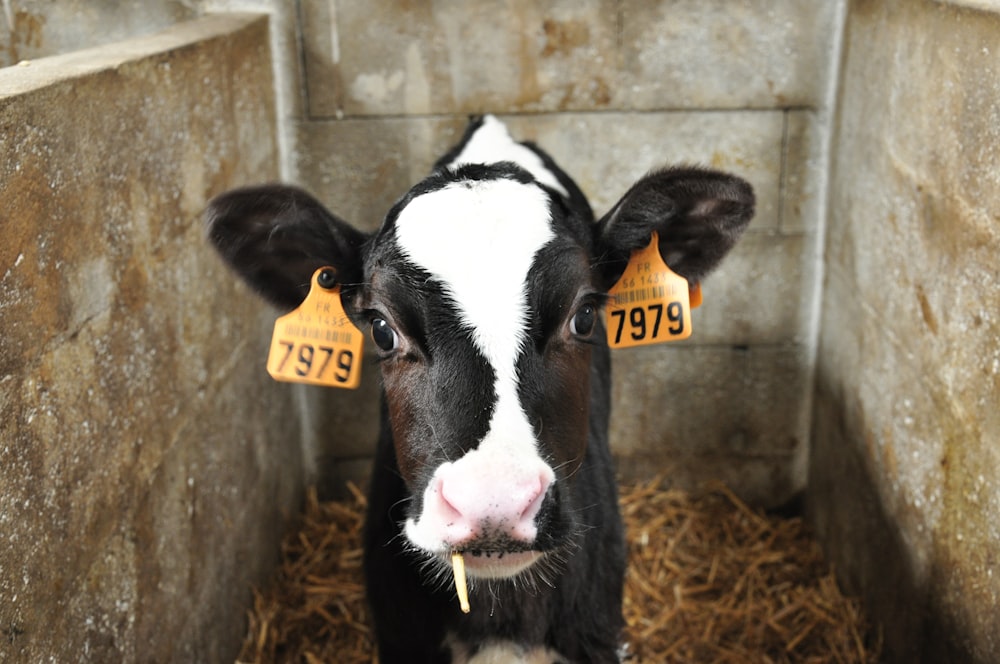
<point>447,507</point>
<point>534,497</point>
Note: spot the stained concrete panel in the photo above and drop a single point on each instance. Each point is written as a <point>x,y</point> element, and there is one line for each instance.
<point>704,55</point>
<point>906,422</point>
<point>40,28</point>
<point>391,58</point>
<point>144,475</point>
<point>713,412</point>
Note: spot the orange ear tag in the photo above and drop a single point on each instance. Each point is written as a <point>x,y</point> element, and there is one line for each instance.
<point>694,295</point>
<point>317,343</point>
<point>650,304</point>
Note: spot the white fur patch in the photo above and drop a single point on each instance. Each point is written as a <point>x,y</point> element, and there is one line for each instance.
<point>492,143</point>
<point>478,240</point>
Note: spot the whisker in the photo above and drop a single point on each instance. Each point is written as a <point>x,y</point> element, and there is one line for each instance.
<point>437,441</point>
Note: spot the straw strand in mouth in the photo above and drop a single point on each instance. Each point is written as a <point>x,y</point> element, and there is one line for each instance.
<point>458,567</point>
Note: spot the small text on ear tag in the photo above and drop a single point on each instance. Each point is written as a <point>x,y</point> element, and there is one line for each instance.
<point>317,343</point>
<point>650,304</point>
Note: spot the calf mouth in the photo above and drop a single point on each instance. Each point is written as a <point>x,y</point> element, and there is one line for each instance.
<point>497,567</point>
<point>497,564</point>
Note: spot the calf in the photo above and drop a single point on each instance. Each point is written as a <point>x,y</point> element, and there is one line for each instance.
<point>482,292</point>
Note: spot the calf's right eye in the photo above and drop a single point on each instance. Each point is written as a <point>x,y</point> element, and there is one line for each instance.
<point>383,335</point>
<point>584,321</point>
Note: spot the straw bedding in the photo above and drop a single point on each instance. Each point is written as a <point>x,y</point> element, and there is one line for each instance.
<point>709,581</point>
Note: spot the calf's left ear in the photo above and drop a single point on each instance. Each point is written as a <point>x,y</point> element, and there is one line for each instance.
<point>698,213</point>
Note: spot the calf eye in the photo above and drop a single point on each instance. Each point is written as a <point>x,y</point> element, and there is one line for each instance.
<point>584,320</point>
<point>383,335</point>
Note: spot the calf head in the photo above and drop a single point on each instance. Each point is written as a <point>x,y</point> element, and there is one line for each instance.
<point>481,292</point>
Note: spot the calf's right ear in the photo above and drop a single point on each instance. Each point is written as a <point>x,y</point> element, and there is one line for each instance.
<point>277,236</point>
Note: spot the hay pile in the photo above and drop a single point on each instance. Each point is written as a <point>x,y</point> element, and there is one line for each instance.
<point>709,580</point>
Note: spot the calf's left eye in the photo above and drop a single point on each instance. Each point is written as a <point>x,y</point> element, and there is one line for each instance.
<point>383,335</point>
<point>584,320</point>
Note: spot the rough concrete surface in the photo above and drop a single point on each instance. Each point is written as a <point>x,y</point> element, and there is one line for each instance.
<point>904,482</point>
<point>143,482</point>
<point>32,29</point>
<point>389,58</point>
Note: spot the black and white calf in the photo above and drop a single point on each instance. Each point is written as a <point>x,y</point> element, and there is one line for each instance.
<point>482,292</point>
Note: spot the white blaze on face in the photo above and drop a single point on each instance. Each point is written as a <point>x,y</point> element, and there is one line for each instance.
<point>492,143</point>
<point>478,240</point>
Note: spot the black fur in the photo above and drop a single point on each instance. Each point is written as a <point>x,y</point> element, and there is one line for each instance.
<point>275,237</point>
<point>699,215</point>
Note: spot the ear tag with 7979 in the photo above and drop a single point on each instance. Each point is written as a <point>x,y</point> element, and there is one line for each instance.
<point>650,303</point>
<point>317,343</point>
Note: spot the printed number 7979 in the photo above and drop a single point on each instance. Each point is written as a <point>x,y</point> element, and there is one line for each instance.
<point>638,325</point>
<point>306,360</point>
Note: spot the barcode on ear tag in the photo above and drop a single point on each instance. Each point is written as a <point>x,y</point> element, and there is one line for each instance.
<point>650,304</point>
<point>317,343</point>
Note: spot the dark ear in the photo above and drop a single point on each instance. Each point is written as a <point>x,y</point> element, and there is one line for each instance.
<point>276,236</point>
<point>698,213</point>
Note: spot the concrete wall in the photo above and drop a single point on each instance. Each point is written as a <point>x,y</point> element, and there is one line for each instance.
<point>32,29</point>
<point>904,482</point>
<point>147,465</point>
<point>611,88</point>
